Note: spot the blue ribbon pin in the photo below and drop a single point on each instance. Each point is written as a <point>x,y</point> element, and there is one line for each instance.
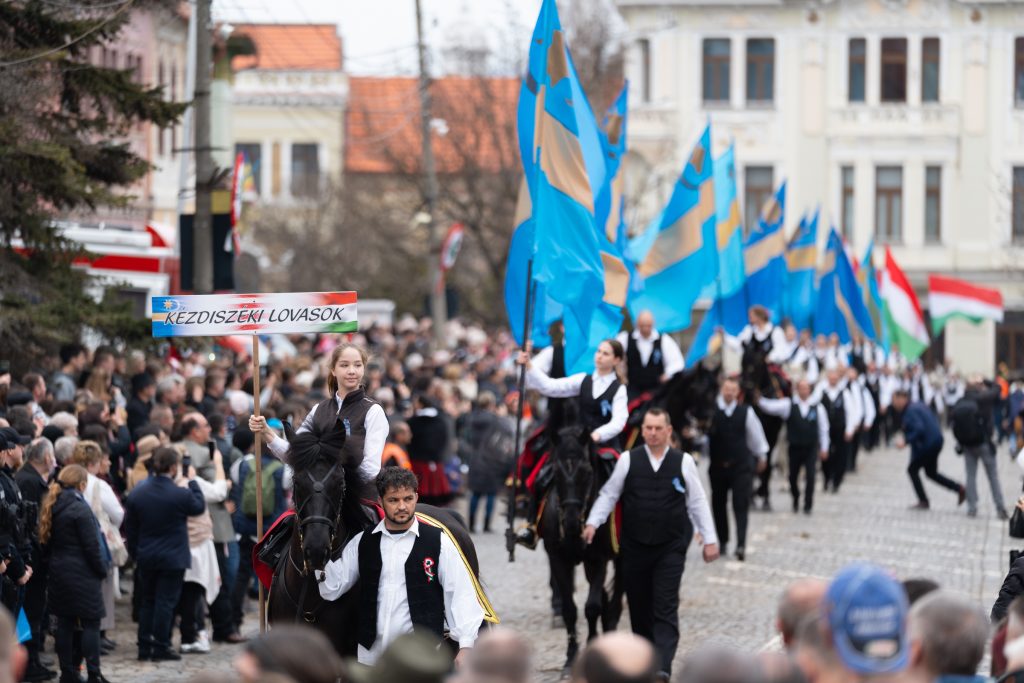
<point>678,485</point>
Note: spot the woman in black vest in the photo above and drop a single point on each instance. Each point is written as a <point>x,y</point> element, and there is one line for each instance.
<point>601,395</point>
<point>348,408</point>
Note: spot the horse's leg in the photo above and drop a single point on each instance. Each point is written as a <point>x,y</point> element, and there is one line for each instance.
<point>562,571</point>
<point>595,568</point>
<point>613,610</point>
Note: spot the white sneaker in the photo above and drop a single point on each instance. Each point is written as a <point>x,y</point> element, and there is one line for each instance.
<point>202,643</point>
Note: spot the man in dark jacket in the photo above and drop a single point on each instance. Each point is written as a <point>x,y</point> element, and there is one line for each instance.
<point>485,444</point>
<point>14,543</point>
<point>157,529</point>
<point>921,431</point>
<point>976,408</point>
<point>32,480</point>
<point>140,405</point>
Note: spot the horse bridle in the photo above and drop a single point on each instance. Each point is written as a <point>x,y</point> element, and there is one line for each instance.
<point>332,524</point>
<point>569,475</point>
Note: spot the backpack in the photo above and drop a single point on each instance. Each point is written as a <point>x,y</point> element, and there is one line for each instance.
<point>968,424</point>
<point>250,484</point>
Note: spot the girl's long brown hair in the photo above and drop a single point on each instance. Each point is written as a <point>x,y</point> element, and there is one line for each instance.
<point>332,381</point>
<point>70,477</point>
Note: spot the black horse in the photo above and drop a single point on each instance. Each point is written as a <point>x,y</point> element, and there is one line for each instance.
<point>689,399</point>
<point>332,506</point>
<point>578,474</point>
<point>759,377</point>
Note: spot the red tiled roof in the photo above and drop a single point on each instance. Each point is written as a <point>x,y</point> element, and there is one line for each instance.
<point>284,47</point>
<point>382,124</point>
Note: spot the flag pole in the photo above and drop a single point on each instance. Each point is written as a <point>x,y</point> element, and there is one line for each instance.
<point>259,469</point>
<point>510,534</point>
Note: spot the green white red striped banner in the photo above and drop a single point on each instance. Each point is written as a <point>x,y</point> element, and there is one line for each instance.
<point>902,311</point>
<point>951,298</point>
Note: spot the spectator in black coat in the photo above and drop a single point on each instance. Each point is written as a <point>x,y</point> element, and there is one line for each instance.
<point>32,480</point>
<point>78,564</point>
<point>140,405</point>
<point>485,444</point>
<point>1013,585</point>
<point>157,535</point>
<point>428,450</point>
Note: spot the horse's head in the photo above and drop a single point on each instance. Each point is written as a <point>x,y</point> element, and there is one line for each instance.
<point>754,374</point>
<point>573,478</point>
<point>319,462</point>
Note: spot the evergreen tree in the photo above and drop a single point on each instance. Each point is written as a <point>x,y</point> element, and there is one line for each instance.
<point>63,125</point>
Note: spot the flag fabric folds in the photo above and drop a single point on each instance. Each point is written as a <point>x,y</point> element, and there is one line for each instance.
<point>801,264</point>
<point>676,256</point>
<point>951,298</point>
<point>564,169</point>
<point>729,226</point>
<point>841,307</point>
<point>764,256</point>
<point>867,278</point>
<point>902,311</point>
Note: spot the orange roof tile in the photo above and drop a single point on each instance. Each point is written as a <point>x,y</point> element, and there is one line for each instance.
<point>284,47</point>
<point>382,124</point>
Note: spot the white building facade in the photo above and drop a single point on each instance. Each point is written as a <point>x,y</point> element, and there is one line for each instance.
<point>903,120</point>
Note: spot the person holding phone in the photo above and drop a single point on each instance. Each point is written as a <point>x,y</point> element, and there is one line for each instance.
<point>200,449</point>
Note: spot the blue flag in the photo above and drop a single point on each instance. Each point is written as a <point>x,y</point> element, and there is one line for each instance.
<point>676,255</point>
<point>729,226</point>
<point>765,256</point>
<point>801,267</point>
<point>867,277</point>
<point>563,164</point>
<point>840,306</point>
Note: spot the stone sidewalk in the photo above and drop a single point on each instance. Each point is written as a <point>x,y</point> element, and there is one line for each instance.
<point>734,602</point>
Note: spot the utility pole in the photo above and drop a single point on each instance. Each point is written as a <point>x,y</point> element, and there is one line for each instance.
<point>202,227</point>
<point>438,304</point>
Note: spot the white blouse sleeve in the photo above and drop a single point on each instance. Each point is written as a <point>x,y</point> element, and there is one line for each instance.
<point>563,387</point>
<point>377,430</point>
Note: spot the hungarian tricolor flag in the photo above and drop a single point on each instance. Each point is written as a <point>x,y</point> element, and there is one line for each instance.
<point>902,311</point>
<point>949,298</point>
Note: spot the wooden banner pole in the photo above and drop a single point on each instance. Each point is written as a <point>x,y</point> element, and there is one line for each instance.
<point>259,469</point>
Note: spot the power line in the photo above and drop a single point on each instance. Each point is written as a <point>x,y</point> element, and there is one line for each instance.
<point>71,42</point>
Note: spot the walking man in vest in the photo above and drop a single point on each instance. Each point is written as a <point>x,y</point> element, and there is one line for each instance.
<point>844,420</point>
<point>807,432</point>
<point>413,576</point>
<point>663,502</point>
<point>737,446</point>
<point>651,358</point>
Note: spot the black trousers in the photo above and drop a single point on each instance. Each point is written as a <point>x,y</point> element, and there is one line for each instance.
<point>220,610</point>
<point>192,608</point>
<point>651,576</point>
<point>803,458</point>
<point>159,591</point>
<point>35,607</point>
<point>852,449</point>
<point>928,460</point>
<point>834,468</point>
<point>240,591</point>
<point>75,639</point>
<point>738,482</point>
<point>764,479</point>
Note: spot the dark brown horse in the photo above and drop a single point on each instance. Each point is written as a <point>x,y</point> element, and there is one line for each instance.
<point>331,507</point>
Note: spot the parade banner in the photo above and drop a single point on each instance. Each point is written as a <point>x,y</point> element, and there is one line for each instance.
<point>217,315</point>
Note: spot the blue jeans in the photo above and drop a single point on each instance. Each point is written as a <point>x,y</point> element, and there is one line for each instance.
<point>220,611</point>
<point>474,503</point>
<point>159,591</point>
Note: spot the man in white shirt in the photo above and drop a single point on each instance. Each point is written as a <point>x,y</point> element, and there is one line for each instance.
<point>663,502</point>
<point>736,446</point>
<point>844,419</point>
<point>807,433</point>
<point>651,358</point>
<point>398,549</point>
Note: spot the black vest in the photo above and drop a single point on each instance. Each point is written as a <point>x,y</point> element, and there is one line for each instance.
<point>654,503</point>
<point>422,583</point>
<point>728,439</point>
<point>764,345</point>
<point>644,377</point>
<point>596,412</point>
<point>857,359</point>
<point>351,417</point>
<point>836,416</point>
<point>803,431</point>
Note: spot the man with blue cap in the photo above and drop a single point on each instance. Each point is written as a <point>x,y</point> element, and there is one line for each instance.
<point>865,612</point>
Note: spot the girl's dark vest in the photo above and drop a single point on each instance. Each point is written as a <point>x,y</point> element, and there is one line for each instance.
<point>557,360</point>
<point>596,412</point>
<point>654,503</point>
<point>644,377</point>
<point>422,583</point>
<point>351,416</point>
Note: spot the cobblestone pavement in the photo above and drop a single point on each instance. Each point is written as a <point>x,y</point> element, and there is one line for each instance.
<point>733,602</point>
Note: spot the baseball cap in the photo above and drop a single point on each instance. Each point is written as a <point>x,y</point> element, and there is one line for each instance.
<point>9,438</point>
<point>867,610</point>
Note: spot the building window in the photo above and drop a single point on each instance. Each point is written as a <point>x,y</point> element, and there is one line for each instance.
<point>846,218</point>
<point>930,70</point>
<point>253,158</point>
<point>716,69</point>
<point>858,59</point>
<point>644,48</point>
<point>760,69</point>
<point>933,204</point>
<point>894,69</point>
<point>1018,71</point>
<point>1018,204</point>
<point>757,190</point>
<point>305,171</point>
<point>889,204</point>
